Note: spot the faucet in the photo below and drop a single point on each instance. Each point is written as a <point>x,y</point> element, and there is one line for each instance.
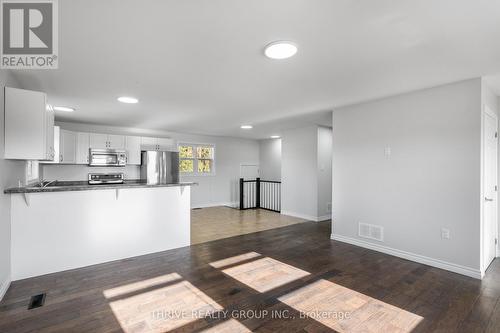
<point>45,183</point>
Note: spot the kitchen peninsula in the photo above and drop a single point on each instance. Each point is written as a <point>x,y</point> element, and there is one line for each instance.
<point>67,225</point>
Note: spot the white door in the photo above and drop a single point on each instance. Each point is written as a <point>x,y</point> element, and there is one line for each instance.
<point>490,144</point>
<point>249,171</point>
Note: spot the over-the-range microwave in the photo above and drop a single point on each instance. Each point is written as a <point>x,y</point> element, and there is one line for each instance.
<point>107,157</point>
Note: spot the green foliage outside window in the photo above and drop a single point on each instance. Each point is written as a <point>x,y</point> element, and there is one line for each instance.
<point>204,166</point>
<point>202,155</point>
<point>186,166</point>
<point>186,152</point>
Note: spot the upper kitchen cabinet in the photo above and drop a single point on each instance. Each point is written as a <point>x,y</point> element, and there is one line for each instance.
<point>116,141</point>
<point>107,141</point>
<point>82,148</point>
<point>29,125</point>
<point>133,147</point>
<point>67,147</point>
<point>149,143</point>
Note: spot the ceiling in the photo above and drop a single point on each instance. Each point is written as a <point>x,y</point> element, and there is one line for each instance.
<point>198,66</point>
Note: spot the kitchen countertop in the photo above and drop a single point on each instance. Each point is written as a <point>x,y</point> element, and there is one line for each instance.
<point>62,186</point>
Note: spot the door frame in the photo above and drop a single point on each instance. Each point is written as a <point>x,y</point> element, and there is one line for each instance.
<point>487,111</point>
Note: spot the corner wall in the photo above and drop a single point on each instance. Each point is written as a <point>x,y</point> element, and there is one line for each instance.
<point>411,164</point>
<point>10,173</point>
<point>270,159</point>
<point>306,172</point>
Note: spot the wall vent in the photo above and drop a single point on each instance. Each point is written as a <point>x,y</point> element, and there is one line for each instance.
<point>371,231</point>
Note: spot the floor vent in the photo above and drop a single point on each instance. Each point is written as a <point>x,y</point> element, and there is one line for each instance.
<point>371,231</point>
<point>36,301</point>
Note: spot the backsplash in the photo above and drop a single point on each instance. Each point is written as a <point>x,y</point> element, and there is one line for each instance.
<point>80,172</point>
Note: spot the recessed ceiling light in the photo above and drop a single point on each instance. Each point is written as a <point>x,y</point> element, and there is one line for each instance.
<point>63,108</point>
<point>246,126</point>
<point>128,100</point>
<point>275,136</point>
<point>280,50</point>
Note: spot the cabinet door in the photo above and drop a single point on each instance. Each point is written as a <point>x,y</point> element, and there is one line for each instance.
<point>165,144</point>
<point>149,143</point>
<point>82,148</point>
<point>67,147</point>
<point>26,125</point>
<point>98,141</point>
<point>116,141</point>
<point>134,150</point>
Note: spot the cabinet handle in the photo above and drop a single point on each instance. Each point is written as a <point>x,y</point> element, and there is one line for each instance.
<point>60,158</point>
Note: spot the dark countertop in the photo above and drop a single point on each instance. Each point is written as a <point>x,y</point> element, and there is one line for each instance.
<point>68,186</point>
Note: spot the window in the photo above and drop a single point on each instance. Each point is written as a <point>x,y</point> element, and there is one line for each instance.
<point>196,159</point>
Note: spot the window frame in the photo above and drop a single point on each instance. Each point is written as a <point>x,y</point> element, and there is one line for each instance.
<point>195,159</point>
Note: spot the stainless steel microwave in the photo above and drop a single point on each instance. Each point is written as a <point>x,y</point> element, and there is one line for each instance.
<point>107,157</point>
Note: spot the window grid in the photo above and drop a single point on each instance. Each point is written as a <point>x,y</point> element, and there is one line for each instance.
<point>196,159</point>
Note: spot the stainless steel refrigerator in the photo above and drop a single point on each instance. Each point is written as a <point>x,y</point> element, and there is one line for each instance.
<point>160,167</point>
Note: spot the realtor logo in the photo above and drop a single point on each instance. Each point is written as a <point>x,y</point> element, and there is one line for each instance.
<point>29,34</point>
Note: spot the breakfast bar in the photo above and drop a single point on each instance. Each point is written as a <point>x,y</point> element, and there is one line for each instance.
<point>69,225</point>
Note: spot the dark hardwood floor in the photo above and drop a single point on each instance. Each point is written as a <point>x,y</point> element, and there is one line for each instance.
<point>286,271</point>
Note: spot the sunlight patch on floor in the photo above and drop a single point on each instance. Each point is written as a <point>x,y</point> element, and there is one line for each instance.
<point>161,309</point>
<point>265,274</point>
<point>234,260</point>
<point>346,310</point>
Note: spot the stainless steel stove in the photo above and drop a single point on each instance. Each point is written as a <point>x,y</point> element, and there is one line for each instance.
<point>106,178</point>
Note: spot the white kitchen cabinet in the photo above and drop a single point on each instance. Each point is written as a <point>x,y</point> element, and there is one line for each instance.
<point>82,148</point>
<point>67,147</point>
<point>116,141</point>
<point>98,141</point>
<point>107,141</point>
<point>150,143</point>
<point>29,125</point>
<point>133,147</point>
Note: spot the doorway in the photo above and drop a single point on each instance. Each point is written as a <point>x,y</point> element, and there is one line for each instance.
<point>490,187</point>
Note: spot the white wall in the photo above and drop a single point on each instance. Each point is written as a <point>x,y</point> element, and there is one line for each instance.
<point>324,172</point>
<point>10,173</point>
<point>431,180</point>
<point>270,159</point>
<point>220,189</point>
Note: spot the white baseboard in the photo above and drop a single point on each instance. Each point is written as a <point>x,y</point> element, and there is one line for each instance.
<point>474,273</point>
<point>215,204</point>
<point>307,217</point>
<point>4,287</point>
<point>323,218</point>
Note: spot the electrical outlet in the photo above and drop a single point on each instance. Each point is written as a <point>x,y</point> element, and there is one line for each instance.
<point>445,233</point>
<point>329,207</point>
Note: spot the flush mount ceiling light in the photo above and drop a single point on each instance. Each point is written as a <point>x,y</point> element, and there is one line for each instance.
<point>280,50</point>
<point>63,108</point>
<point>246,126</point>
<point>128,100</point>
<point>275,136</point>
